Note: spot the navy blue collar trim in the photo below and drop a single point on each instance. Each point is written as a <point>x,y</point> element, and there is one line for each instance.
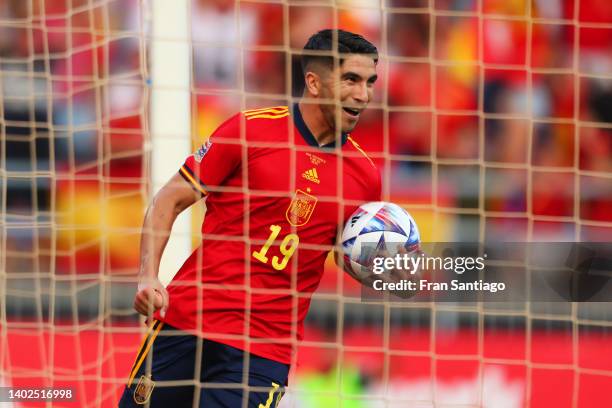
<point>298,120</point>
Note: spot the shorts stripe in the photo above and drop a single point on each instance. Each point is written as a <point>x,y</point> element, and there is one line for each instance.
<point>142,353</point>
<point>142,343</point>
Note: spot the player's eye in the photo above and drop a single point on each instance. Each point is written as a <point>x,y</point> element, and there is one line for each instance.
<point>350,78</point>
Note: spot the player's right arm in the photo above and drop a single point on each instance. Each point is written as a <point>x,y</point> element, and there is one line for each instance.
<point>208,168</point>
<point>173,198</point>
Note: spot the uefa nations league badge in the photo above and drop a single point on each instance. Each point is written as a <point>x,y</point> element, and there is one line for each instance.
<point>199,154</point>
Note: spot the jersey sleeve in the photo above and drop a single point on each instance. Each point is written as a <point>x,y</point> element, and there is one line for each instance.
<point>216,160</point>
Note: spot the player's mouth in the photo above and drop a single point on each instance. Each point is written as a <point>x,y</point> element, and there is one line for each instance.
<point>353,113</point>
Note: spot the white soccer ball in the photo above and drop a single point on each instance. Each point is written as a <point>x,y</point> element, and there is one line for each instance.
<point>373,229</point>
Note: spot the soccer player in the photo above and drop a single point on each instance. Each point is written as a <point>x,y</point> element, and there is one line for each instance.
<point>278,183</point>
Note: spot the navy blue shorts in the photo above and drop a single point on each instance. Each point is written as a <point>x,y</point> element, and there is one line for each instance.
<point>164,374</point>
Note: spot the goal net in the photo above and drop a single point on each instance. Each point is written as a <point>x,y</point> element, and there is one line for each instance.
<point>491,121</point>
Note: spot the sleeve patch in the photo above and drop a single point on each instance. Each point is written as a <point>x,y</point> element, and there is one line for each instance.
<point>199,154</point>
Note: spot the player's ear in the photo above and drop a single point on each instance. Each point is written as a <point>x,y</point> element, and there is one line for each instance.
<point>313,83</point>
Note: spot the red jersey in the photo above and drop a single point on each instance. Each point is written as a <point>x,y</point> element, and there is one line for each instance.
<point>275,200</point>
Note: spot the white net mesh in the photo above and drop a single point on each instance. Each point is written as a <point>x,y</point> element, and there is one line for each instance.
<point>491,119</point>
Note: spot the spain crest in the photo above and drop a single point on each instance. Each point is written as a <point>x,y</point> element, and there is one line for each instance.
<point>143,390</point>
<point>301,208</point>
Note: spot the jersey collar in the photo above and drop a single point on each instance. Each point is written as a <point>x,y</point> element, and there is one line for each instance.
<point>298,120</point>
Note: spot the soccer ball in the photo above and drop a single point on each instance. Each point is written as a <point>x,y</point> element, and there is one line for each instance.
<point>373,229</point>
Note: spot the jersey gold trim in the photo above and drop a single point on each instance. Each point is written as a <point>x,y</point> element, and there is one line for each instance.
<point>276,112</point>
<point>273,109</point>
<point>187,175</point>
<point>361,150</point>
<point>268,116</point>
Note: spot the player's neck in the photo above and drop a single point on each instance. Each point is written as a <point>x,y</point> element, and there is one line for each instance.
<point>315,121</point>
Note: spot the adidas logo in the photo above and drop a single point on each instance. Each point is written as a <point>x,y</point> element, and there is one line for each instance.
<point>311,175</point>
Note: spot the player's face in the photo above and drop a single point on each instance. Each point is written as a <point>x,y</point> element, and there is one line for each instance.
<point>352,86</point>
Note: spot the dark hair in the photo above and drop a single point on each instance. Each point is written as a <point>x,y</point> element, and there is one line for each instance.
<point>347,43</point>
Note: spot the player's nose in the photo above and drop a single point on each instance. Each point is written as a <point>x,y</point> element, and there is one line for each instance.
<point>361,93</point>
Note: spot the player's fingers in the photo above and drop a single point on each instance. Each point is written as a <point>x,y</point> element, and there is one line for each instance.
<point>150,293</point>
<point>145,296</point>
<point>144,304</point>
<point>140,307</point>
<point>165,301</point>
<point>138,301</point>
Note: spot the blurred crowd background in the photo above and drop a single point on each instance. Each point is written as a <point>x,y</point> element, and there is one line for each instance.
<point>492,120</point>
<point>521,107</point>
